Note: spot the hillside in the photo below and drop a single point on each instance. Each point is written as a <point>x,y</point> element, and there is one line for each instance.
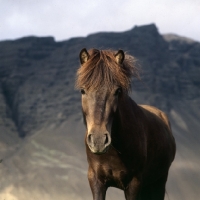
<point>41,131</point>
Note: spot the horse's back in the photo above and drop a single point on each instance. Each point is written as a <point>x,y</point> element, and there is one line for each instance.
<point>158,113</point>
<point>161,143</point>
<point>157,118</point>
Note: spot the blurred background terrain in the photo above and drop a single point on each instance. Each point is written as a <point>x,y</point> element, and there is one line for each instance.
<point>42,154</point>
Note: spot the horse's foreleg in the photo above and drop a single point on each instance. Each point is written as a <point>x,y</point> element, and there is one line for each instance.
<point>98,189</point>
<point>131,192</point>
<point>158,189</point>
<point>154,191</point>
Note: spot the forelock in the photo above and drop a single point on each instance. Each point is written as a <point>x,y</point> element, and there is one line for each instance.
<point>102,69</point>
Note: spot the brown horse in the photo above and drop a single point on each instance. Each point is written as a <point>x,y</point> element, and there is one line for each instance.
<point>128,146</point>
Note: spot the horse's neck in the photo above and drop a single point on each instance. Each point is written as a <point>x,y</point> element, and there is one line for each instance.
<point>127,127</point>
<point>129,112</point>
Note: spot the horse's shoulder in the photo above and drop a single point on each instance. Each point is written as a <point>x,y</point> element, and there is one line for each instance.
<point>159,113</point>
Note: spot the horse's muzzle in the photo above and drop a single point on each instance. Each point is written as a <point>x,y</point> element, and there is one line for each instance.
<point>98,143</point>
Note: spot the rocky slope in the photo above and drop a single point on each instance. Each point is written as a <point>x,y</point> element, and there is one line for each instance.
<point>41,131</point>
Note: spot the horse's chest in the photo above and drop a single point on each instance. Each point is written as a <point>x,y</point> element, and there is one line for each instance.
<point>113,172</point>
<point>117,177</point>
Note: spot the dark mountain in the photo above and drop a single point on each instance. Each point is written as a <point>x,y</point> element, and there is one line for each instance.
<point>41,132</point>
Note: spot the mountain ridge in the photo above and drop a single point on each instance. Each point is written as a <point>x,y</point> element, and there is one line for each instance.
<point>41,129</point>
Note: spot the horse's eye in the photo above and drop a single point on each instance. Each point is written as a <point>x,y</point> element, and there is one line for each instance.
<point>82,91</point>
<point>118,91</point>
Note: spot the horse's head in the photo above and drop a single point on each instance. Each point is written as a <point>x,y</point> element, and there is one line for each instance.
<point>102,79</point>
<point>98,109</point>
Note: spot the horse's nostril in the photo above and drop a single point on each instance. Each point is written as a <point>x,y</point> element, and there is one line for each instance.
<point>107,140</point>
<point>89,138</point>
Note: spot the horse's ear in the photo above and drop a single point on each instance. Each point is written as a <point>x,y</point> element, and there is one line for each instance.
<point>84,56</point>
<point>120,56</point>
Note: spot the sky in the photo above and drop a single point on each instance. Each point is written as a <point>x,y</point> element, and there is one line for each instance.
<point>64,19</point>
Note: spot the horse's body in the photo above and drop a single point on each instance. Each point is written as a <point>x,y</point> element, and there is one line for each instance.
<point>128,146</point>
